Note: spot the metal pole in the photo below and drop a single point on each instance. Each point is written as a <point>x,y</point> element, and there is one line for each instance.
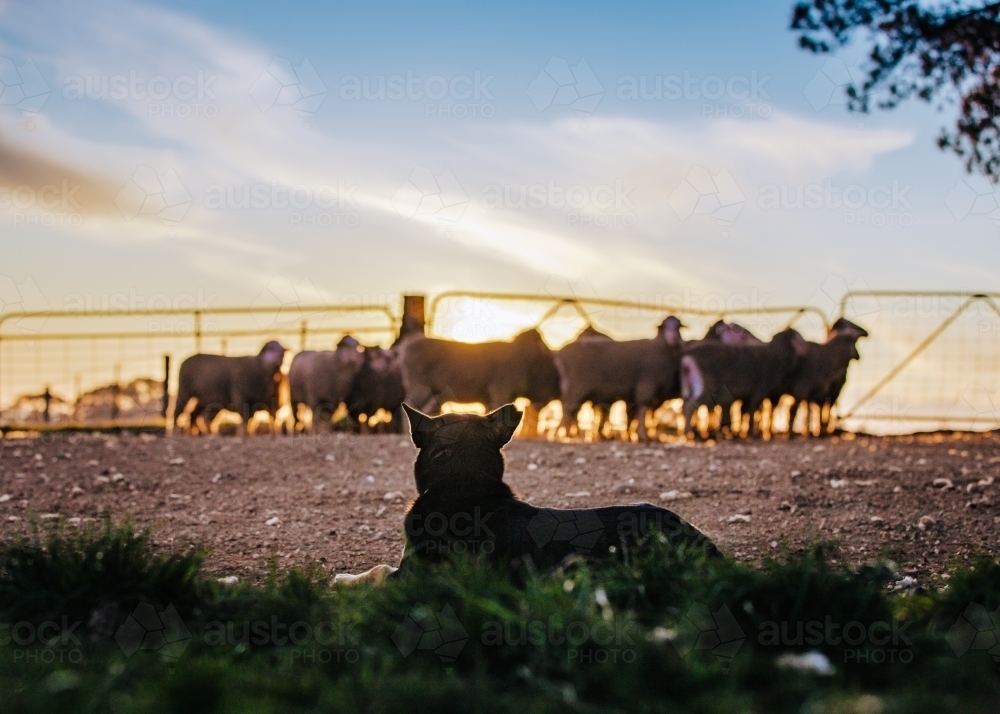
<point>166,386</point>
<point>303,330</point>
<point>197,331</point>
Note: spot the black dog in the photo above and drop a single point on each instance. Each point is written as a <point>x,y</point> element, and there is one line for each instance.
<point>465,507</point>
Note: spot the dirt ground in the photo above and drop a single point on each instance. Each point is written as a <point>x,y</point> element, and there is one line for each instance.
<point>928,502</point>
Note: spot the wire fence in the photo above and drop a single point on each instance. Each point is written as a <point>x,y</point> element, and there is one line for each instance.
<point>931,362</point>
<point>85,359</point>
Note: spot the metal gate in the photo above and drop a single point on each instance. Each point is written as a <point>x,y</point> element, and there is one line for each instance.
<point>105,354</point>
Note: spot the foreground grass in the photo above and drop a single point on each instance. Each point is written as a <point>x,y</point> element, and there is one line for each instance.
<point>93,622</point>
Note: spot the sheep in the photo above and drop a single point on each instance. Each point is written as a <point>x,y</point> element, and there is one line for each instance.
<point>821,374</point>
<point>713,373</point>
<point>642,373</point>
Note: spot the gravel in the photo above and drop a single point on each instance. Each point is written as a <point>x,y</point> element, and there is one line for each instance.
<point>928,503</point>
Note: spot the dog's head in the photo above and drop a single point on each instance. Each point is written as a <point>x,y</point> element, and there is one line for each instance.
<point>460,444</point>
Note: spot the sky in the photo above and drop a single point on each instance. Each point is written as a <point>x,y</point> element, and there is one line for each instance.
<point>257,152</point>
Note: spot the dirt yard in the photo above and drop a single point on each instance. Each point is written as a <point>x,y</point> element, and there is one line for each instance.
<point>927,502</point>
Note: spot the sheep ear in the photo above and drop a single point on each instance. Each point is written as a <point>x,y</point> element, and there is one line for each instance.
<point>670,331</point>
<point>503,423</point>
<point>846,327</point>
<point>273,354</point>
<point>422,427</point>
<point>799,344</point>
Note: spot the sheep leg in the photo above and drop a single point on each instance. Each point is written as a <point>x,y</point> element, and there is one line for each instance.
<point>753,406</point>
<point>571,413</point>
<point>209,413</point>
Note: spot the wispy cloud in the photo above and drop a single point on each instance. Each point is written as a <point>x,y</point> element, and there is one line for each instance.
<point>240,145</point>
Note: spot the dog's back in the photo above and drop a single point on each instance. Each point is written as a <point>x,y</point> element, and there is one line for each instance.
<point>464,507</point>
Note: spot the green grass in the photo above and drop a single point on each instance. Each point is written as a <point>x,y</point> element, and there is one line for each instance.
<point>623,637</point>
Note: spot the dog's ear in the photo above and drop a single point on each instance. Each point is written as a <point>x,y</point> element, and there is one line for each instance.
<point>422,427</point>
<point>503,423</point>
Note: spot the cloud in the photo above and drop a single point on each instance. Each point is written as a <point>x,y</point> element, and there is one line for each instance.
<point>76,188</point>
<point>805,145</point>
<point>244,144</point>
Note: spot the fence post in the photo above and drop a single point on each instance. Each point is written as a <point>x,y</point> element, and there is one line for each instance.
<point>413,316</point>
<point>166,387</point>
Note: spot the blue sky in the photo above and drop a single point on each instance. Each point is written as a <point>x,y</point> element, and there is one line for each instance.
<point>687,196</point>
